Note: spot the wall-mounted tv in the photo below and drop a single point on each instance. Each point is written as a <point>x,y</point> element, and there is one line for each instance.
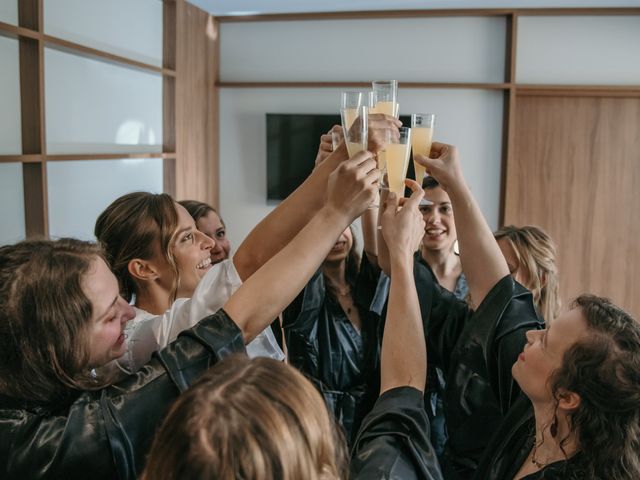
<point>292,145</point>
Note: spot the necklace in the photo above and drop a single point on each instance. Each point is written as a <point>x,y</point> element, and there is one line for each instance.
<point>341,292</point>
<point>538,464</point>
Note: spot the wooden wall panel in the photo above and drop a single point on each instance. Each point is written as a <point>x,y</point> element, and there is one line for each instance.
<point>196,105</point>
<point>575,171</point>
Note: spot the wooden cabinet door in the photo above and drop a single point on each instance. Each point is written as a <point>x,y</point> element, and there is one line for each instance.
<point>575,171</point>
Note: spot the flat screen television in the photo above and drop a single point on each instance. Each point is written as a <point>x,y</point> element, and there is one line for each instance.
<point>292,145</point>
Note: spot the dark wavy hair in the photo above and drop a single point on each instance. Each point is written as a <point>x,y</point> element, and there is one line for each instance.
<point>197,209</point>
<point>604,369</point>
<point>44,319</point>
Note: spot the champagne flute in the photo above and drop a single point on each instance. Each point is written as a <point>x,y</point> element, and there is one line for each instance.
<point>356,133</point>
<point>336,139</point>
<point>397,157</point>
<point>385,97</point>
<point>422,133</point>
<point>350,102</point>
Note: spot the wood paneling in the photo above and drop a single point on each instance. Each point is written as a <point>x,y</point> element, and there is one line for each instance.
<point>478,86</point>
<point>196,105</point>
<point>575,171</point>
<point>459,12</point>
<point>34,182</point>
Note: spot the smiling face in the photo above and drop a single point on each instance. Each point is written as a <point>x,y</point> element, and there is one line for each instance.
<point>109,317</point>
<point>212,226</point>
<point>191,250</point>
<point>341,248</point>
<point>440,229</point>
<point>543,354</point>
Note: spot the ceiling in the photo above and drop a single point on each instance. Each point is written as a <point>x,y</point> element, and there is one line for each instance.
<point>255,7</point>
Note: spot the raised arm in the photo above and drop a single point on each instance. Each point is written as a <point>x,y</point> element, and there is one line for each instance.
<point>351,188</point>
<point>404,356</point>
<point>482,260</point>
<point>283,223</point>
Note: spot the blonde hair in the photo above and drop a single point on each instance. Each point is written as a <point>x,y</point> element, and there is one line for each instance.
<point>256,419</point>
<point>536,254</point>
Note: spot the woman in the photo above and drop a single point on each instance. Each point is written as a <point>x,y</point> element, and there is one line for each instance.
<point>332,337</point>
<point>438,247</point>
<point>218,428</point>
<point>579,415</point>
<point>163,265</point>
<point>438,253</point>
<point>330,333</point>
<point>211,224</point>
<point>531,258</point>
<point>62,318</point>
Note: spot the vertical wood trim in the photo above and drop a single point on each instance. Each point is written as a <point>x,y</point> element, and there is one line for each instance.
<point>34,179</point>
<point>169,176</point>
<point>34,175</point>
<point>169,25</point>
<point>214,116</point>
<point>196,105</point>
<point>508,115</point>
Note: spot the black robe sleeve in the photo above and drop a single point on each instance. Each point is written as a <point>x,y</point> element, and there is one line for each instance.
<point>106,434</point>
<point>393,441</point>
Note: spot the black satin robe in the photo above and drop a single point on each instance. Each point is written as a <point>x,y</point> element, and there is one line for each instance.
<point>476,351</point>
<point>106,434</point>
<point>323,344</point>
<point>393,441</point>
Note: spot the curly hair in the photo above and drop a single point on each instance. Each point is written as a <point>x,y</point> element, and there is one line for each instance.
<point>248,418</point>
<point>604,369</point>
<point>536,254</point>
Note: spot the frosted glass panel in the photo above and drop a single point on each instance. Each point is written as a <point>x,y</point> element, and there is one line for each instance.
<point>10,132</point>
<point>11,203</point>
<point>128,28</point>
<point>92,106</point>
<point>79,191</point>
<point>598,50</point>
<point>447,49</point>
<point>9,11</point>
<point>470,119</point>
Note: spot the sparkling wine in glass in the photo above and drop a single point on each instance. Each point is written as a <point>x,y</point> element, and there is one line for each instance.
<point>421,135</point>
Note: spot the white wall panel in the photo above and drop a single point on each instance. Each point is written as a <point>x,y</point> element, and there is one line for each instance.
<point>449,49</point>
<point>11,203</point>
<point>128,28</point>
<point>597,50</point>
<point>10,130</point>
<point>80,190</point>
<point>9,11</point>
<point>470,119</point>
<point>97,107</point>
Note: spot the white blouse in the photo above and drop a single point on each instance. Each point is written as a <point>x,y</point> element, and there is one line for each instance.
<point>147,332</point>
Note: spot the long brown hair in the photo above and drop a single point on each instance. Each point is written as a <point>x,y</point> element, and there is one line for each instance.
<point>133,226</point>
<point>604,369</point>
<point>536,254</point>
<point>45,319</point>
<point>257,419</point>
